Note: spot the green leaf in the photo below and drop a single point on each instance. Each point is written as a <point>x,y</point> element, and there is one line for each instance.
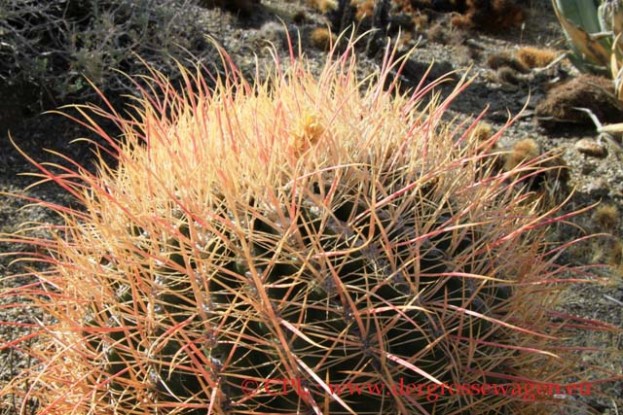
<point>580,22</point>
<point>582,13</point>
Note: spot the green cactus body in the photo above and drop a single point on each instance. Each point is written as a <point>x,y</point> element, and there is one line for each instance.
<point>328,263</point>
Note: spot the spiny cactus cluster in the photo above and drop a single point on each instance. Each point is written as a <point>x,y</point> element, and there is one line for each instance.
<point>304,232</point>
<point>408,15</point>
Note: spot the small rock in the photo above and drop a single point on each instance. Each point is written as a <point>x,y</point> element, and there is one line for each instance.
<point>598,187</point>
<point>591,148</point>
<point>588,169</point>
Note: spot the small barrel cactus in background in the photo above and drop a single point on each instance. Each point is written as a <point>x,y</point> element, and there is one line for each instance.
<point>302,245</point>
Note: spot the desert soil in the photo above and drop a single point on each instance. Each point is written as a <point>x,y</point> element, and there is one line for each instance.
<point>593,179</point>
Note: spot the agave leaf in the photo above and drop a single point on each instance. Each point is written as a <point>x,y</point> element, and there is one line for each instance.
<point>587,49</point>
<point>581,13</point>
<point>611,128</point>
<point>617,19</point>
<point>610,14</point>
<point>617,45</point>
<point>614,60</point>
<point>616,66</point>
<point>617,74</point>
<point>604,14</point>
<point>579,21</point>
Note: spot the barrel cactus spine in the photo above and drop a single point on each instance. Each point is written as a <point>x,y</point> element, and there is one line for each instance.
<point>305,232</point>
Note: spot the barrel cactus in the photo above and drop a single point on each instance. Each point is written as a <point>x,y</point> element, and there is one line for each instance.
<point>307,244</point>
